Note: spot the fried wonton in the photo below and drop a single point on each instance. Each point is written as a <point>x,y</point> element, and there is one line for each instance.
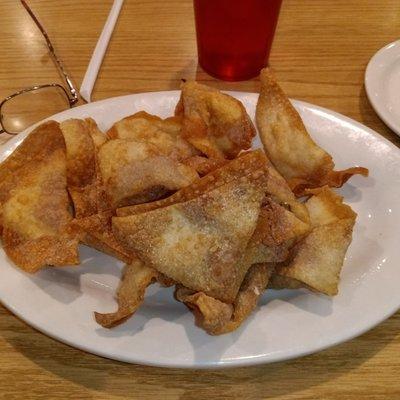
<point>288,144</point>
<point>281,193</point>
<point>37,146</point>
<point>213,122</point>
<point>204,165</point>
<point>135,172</point>
<point>89,200</point>
<point>95,231</point>
<point>98,137</point>
<point>210,314</point>
<point>82,139</point>
<point>318,259</point>
<point>247,163</point>
<point>217,317</point>
<point>35,216</point>
<point>276,232</point>
<point>199,243</point>
<point>135,280</point>
<point>81,158</point>
<point>163,134</point>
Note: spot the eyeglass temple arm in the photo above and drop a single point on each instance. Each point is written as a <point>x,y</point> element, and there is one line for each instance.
<point>74,94</point>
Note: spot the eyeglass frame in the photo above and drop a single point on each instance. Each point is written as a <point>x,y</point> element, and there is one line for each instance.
<point>71,94</point>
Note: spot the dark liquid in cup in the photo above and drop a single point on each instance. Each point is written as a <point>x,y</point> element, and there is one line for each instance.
<point>234,37</point>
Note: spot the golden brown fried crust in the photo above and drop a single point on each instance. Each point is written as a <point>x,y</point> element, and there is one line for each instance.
<point>236,169</point>
<point>213,122</point>
<point>198,243</point>
<point>95,231</point>
<point>245,165</point>
<point>279,190</point>
<point>335,179</point>
<point>217,317</point>
<point>252,288</point>
<point>210,314</point>
<point>149,194</point>
<point>83,138</point>
<point>284,136</point>
<point>134,282</point>
<point>128,127</point>
<point>32,255</point>
<point>327,206</point>
<point>98,137</point>
<point>204,165</point>
<point>37,146</point>
<point>80,151</point>
<point>89,200</point>
<point>289,146</point>
<point>35,216</point>
<point>132,169</point>
<point>163,134</point>
<point>277,225</point>
<point>276,232</point>
<point>146,159</point>
<point>317,260</point>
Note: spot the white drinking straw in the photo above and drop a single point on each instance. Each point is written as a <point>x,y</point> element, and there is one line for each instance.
<point>99,51</point>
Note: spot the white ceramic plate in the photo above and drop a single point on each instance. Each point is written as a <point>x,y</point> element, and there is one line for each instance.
<point>382,84</point>
<point>59,302</point>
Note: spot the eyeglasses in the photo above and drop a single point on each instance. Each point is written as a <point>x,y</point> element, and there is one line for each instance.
<point>30,105</point>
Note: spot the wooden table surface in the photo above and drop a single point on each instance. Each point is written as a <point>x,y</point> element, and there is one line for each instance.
<point>320,53</point>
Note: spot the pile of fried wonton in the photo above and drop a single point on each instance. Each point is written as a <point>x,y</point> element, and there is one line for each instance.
<point>183,202</point>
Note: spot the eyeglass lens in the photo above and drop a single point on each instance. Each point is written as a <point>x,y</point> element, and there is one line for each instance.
<point>25,109</point>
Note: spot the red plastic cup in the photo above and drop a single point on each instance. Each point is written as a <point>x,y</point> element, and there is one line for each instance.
<point>234,37</point>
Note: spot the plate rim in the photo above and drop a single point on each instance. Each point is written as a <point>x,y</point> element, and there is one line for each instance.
<point>238,362</point>
<point>369,81</point>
